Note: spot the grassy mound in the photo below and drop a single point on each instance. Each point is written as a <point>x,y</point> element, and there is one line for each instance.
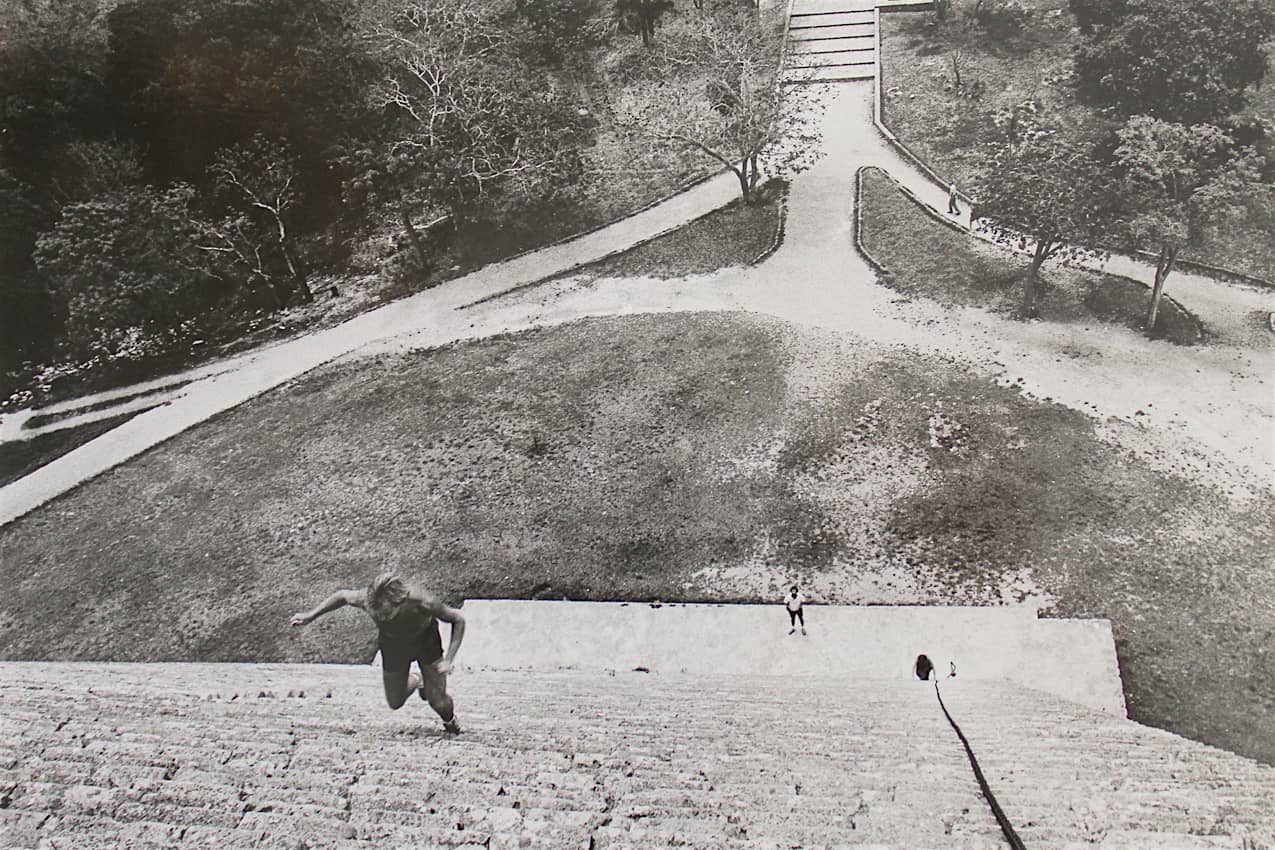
<point>927,259</point>
<point>685,456</point>
<point>734,235</point>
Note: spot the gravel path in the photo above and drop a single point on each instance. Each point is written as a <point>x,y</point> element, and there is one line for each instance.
<point>1206,412</point>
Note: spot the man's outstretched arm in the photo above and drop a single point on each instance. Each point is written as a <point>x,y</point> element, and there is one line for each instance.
<point>450,615</point>
<point>337,600</point>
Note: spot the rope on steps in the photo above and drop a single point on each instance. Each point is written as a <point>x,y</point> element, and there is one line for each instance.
<point>1006,827</point>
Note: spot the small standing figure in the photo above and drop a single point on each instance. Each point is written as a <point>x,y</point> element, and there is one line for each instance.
<point>952,207</point>
<point>407,626</point>
<point>793,602</point>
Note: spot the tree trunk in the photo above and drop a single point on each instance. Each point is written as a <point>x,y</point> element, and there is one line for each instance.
<point>1163,265</point>
<point>280,297</point>
<point>1031,280</point>
<point>744,186</point>
<point>299,283</point>
<point>413,236</point>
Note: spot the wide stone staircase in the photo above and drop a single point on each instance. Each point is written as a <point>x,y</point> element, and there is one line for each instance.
<point>831,41</point>
<point>303,756</point>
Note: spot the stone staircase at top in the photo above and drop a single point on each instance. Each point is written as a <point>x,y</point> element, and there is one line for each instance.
<point>307,756</point>
<point>833,40</point>
<point>830,42</point>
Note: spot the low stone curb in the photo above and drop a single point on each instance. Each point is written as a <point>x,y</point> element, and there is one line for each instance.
<point>778,238</point>
<point>858,224</point>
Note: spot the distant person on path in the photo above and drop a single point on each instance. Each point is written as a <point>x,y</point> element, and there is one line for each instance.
<point>407,623</point>
<point>793,603</point>
<point>952,208</point>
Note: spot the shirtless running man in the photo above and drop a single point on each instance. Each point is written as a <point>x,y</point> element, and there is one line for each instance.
<point>407,626</point>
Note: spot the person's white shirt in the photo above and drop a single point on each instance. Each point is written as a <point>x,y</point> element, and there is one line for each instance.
<point>795,602</point>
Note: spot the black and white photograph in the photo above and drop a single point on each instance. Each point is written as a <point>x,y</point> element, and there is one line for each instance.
<point>627,424</point>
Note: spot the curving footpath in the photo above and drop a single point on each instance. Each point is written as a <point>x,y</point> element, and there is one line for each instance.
<point>1205,412</point>
<point>225,385</point>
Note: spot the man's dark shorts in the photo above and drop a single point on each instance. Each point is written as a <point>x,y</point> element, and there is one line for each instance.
<point>398,654</point>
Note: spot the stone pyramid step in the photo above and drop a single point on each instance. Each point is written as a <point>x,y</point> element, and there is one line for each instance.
<point>815,7</point>
<point>218,755</point>
<point>830,59</point>
<point>832,46</point>
<point>798,34</point>
<point>1074,659</point>
<point>834,74</point>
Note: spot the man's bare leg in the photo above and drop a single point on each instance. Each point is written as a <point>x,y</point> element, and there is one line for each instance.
<point>399,685</point>
<point>434,691</point>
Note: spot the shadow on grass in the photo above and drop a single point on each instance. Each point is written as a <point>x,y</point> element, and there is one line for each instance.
<point>21,457</point>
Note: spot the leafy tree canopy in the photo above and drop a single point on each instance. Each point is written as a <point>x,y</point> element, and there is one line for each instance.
<point>198,77</point>
<point>1046,195</point>
<point>1186,61</point>
<point>1177,180</point>
<point>1096,14</point>
<point>561,27</point>
<point>125,260</point>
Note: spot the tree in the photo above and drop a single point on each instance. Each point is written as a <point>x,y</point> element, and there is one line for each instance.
<point>52,57</point>
<point>378,173</point>
<point>259,183</point>
<point>87,169</point>
<point>1047,195</point>
<point>195,78</point>
<point>1186,61</point>
<point>26,311</point>
<point>465,116</point>
<point>1177,180</point>
<point>125,260</point>
<point>717,92</point>
<point>561,27</point>
<point>1092,15</point>
<point>643,16</point>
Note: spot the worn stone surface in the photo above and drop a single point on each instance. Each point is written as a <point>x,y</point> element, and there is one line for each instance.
<point>1073,659</point>
<point>172,755</point>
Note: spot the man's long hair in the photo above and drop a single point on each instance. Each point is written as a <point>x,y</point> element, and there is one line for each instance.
<point>384,596</point>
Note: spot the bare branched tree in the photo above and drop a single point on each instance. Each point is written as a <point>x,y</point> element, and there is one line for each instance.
<point>464,111</point>
<point>260,182</point>
<point>717,90</point>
